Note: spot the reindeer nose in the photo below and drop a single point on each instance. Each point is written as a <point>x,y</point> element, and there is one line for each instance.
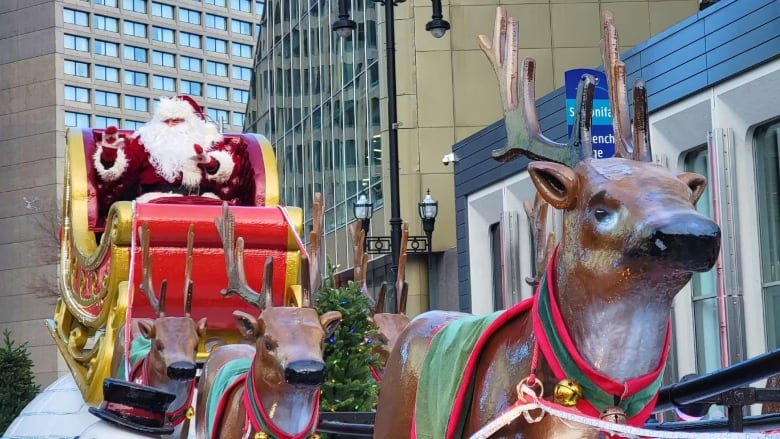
<point>689,241</point>
<point>181,370</point>
<point>307,373</point>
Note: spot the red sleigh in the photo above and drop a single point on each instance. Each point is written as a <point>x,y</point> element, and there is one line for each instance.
<point>101,255</point>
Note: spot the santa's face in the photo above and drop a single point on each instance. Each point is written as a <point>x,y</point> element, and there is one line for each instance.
<point>170,143</point>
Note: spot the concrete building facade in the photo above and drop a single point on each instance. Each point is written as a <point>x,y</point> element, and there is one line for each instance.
<point>95,63</point>
<point>322,101</point>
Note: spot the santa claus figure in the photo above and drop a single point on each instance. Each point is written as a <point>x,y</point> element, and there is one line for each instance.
<point>178,153</point>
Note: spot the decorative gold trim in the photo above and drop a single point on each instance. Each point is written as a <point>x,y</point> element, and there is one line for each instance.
<point>271,171</point>
<point>293,257</point>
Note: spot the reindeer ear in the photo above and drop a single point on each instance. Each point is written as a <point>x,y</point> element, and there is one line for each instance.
<point>330,321</point>
<point>696,182</point>
<point>146,328</point>
<point>248,326</point>
<point>556,183</point>
<point>201,327</point>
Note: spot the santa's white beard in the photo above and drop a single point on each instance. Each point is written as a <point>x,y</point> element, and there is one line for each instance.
<point>171,148</point>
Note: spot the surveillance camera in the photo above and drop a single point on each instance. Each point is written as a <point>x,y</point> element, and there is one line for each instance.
<point>448,158</point>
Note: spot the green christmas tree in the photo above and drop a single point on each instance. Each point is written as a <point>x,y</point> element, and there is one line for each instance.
<point>17,384</point>
<point>349,385</point>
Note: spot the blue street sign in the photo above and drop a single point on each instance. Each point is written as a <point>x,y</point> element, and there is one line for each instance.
<point>603,135</point>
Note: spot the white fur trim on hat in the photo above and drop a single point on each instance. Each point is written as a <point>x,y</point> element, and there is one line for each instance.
<point>149,196</point>
<point>226,166</point>
<point>116,170</point>
<point>191,174</point>
<point>209,195</point>
<point>172,108</point>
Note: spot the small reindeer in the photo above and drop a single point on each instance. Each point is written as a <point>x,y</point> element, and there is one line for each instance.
<point>169,364</point>
<point>631,240</point>
<point>278,393</point>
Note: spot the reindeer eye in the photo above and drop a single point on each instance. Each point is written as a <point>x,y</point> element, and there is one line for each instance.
<point>601,215</point>
<point>159,346</point>
<point>269,344</point>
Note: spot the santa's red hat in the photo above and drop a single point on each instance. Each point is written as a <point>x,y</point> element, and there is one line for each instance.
<point>179,107</point>
<point>111,130</point>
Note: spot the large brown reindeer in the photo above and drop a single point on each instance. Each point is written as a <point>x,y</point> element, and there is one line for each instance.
<point>169,364</point>
<point>631,240</point>
<point>277,390</point>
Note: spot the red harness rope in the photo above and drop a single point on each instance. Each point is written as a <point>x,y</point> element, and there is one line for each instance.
<point>175,417</point>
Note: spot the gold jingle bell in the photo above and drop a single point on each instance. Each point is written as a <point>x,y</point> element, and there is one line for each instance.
<point>261,435</point>
<point>616,415</point>
<point>567,392</point>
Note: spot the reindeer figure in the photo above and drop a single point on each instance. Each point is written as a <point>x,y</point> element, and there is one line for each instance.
<point>169,363</point>
<point>631,240</point>
<point>273,387</point>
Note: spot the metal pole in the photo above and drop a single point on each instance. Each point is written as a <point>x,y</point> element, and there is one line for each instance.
<point>392,119</point>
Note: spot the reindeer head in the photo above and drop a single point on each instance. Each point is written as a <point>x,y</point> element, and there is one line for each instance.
<point>288,340</point>
<point>174,339</point>
<point>625,218</point>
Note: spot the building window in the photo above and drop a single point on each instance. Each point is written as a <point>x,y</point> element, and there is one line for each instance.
<point>766,145</point>
<point>217,115</point>
<point>76,43</point>
<point>136,103</point>
<point>138,79</point>
<point>79,18</point>
<point>104,121</point>
<point>703,290</point>
<point>216,68</point>
<point>240,96</point>
<point>189,40</point>
<point>241,50</point>
<point>240,5</point>
<point>164,59</point>
<point>111,3</point>
<point>76,68</point>
<point>132,124</point>
<point>108,24</point>
<point>133,53</point>
<point>106,48</point>
<point>216,45</point>
<point>240,27</point>
<point>216,22</point>
<point>215,2</point>
<point>106,98</point>
<point>76,94</point>
<point>217,92</point>
<point>190,63</point>
<point>163,83</point>
<point>242,73</point>
<point>162,10</point>
<point>104,73</point>
<point>162,34</point>
<point>192,88</point>
<point>134,5</point>
<point>189,16</point>
<point>238,119</point>
<point>73,119</point>
<point>134,29</point>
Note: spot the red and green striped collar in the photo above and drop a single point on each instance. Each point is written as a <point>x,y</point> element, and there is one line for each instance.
<point>636,396</point>
<point>260,420</point>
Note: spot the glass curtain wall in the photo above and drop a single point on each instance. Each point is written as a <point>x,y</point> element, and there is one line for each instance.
<point>318,103</point>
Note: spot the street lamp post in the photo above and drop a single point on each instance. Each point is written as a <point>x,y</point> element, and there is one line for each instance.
<point>363,209</point>
<point>437,26</point>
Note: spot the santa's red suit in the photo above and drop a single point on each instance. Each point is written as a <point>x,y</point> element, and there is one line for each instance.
<point>178,153</point>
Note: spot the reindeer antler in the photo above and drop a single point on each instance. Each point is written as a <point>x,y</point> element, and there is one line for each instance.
<point>147,285</point>
<point>544,242</point>
<point>234,261</point>
<point>315,244</point>
<point>401,287</point>
<point>524,136</point>
<point>634,146</point>
<point>188,271</point>
<point>268,277</point>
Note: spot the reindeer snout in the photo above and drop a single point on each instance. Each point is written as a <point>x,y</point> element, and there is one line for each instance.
<point>688,242</point>
<point>181,370</point>
<point>307,373</point>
